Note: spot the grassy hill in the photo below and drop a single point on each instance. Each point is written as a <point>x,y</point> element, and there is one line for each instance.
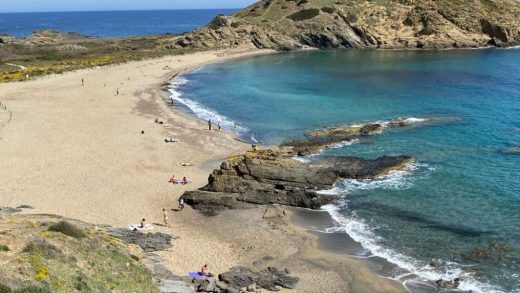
<point>391,24</point>
<point>40,254</point>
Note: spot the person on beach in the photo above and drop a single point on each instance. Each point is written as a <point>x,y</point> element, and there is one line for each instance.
<point>82,81</point>
<point>209,124</point>
<point>219,125</point>
<point>172,179</point>
<point>143,221</point>
<point>184,180</point>
<point>117,92</point>
<point>205,271</point>
<point>165,218</point>
<point>181,203</point>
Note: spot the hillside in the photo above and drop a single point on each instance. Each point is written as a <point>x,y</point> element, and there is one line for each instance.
<point>393,24</point>
<point>44,253</point>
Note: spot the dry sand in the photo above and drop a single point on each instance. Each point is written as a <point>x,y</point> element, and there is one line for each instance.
<point>77,151</point>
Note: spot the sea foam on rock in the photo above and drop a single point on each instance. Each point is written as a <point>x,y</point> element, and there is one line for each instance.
<point>273,177</point>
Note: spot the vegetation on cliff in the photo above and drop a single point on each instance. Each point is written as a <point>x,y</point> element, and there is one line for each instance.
<point>49,254</point>
<point>390,24</point>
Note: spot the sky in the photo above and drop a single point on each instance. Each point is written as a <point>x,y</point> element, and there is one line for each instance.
<point>88,5</point>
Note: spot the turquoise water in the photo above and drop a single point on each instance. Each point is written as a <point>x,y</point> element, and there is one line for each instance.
<point>463,193</point>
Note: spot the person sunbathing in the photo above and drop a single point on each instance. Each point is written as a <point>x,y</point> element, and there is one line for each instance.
<point>172,179</point>
<point>205,271</point>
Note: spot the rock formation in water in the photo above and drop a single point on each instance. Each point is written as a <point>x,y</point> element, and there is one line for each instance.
<point>318,140</point>
<point>275,177</point>
<point>397,24</point>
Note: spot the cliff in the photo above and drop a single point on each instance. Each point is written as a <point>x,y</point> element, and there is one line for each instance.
<point>395,24</point>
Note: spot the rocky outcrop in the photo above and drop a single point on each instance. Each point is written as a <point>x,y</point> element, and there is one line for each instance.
<point>238,278</point>
<point>149,242</point>
<point>230,32</point>
<point>401,24</point>
<point>51,37</point>
<point>274,177</point>
<point>6,39</point>
<point>331,136</point>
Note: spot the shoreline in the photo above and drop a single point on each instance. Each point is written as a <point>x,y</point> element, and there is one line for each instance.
<point>77,151</point>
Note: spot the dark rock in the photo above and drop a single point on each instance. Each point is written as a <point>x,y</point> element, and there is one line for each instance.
<point>24,206</point>
<point>269,279</point>
<point>149,242</point>
<point>238,277</point>
<point>274,177</point>
<point>368,129</point>
<point>453,284</point>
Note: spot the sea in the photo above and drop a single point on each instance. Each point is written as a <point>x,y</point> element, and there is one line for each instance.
<point>109,24</point>
<point>455,211</point>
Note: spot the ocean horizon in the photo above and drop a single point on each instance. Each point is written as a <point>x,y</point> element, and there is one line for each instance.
<point>130,23</point>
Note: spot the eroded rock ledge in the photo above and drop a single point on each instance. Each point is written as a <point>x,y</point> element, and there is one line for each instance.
<point>274,177</point>
<point>321,139</point>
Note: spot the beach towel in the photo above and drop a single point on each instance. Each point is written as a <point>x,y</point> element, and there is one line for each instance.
<point>137,227</point>
<point>196,275</point>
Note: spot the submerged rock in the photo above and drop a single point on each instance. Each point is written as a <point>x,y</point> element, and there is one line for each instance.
<point>511,150</point>
<point>274,177</point>
<point>329,137</point>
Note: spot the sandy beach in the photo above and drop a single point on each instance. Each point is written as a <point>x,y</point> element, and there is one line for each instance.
<point>93,152</point>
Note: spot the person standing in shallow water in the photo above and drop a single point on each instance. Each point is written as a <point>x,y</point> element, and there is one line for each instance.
<point>209,124</point>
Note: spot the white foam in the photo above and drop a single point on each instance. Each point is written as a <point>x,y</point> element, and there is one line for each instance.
<point>309,158</point>
<point>362,233</point>
<point>397,179</point>
<point>415,120</point>
<point>386,123</point>
<point>203,112</point>
<point>509,48</point>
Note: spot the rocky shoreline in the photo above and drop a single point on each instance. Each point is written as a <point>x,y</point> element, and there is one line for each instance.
<point>274,177</point>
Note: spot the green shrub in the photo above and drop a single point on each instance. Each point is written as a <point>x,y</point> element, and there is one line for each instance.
<point>328,9</point>
<point>304,14</point>
<point>4,248</point>
<point>68,229</point>
<point>33,289</point>
<point>5,289</point>
<point>42,247</point>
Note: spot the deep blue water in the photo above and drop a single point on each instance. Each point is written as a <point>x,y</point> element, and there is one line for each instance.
<point>463,193</point>
<point>109,24</point>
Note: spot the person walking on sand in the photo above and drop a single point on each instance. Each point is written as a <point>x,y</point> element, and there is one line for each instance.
<point>143,221</point>
<point>209,124</point>
<point>117,92</point>
<point>219,125</point>
<point>165,218</point>
<point>181,203</point>
<point>82,81</point>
